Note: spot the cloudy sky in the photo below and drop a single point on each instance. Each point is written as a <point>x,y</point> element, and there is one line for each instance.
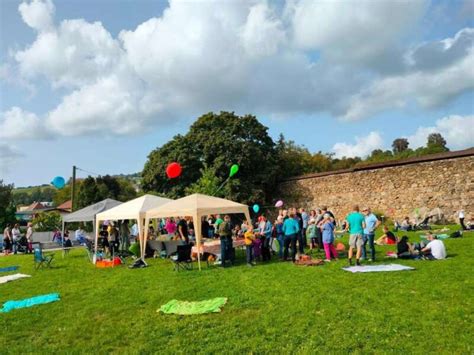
<point>100,83</point>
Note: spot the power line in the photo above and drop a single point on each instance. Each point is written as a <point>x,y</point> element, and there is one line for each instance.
<point>88,172</point>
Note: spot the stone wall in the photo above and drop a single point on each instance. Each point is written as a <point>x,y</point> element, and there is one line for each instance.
<point>396,191</point>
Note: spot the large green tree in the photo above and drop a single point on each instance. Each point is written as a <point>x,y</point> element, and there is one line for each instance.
<point>7,208</point>
<point>93,190</point>
<point>294,160</point>
<point>400,145</point>
<point>217,141</point>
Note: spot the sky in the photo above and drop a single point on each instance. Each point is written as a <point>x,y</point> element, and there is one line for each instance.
<point>99,83</point>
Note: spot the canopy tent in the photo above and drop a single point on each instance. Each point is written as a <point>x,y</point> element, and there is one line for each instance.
<point>87,214</point>
<point>133,209</point>
<point>196,206</point>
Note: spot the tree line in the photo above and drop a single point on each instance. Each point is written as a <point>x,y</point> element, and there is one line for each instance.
<point>216,141</point>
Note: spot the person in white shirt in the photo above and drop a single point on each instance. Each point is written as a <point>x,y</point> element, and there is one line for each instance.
<point>16,235</point>
<point>29,237</point>
<point>435,249</point>
<point>80,236</point>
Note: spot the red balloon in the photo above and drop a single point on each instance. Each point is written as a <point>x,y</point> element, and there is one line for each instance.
<point>173,170</point>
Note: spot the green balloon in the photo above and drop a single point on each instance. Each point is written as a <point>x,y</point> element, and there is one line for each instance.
<point>233,170</point>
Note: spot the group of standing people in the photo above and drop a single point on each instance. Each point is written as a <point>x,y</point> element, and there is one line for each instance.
<point>115,238</point>
<point>14,240</point>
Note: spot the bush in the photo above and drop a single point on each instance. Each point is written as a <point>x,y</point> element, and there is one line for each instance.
<point>47,221</point>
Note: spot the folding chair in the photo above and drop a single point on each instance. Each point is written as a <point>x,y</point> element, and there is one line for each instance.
<point>41,259</point>
<point>182,259</point>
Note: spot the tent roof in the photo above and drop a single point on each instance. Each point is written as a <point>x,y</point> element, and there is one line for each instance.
<point>88,213</point>
<point>133,208</point>
<point>197,203</point>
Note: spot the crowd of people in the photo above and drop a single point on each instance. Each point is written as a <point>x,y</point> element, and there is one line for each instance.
<point>293,233</point>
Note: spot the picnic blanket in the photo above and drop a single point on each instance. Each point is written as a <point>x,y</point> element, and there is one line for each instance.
<point>439,236</point>
<point>309,262</point>
<point>8,268</point>
<point>378,268</point>
<point>187,308</point>
<point>5,279</point>
<point>29,302</point>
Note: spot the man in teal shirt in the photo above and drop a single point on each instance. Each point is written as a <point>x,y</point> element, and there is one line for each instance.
<point>355,225</point>
<point>291,229</point>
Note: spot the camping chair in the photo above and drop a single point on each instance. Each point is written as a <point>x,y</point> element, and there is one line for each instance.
<point>41,259</point>
<point>182,259</point>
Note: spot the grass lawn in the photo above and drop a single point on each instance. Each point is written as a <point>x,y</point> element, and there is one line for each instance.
<point>272,308</point>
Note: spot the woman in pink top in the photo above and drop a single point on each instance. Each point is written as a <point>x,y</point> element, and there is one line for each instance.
<point>170,226</point>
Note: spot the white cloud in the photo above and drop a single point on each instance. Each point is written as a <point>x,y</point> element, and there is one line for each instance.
<point>457,130</point>
<point>352,30</point>
<point>427,87</point>
<point>361,148</point>
<point>8,157</point>
<point>251,56</point>
<point>17,124</point>
<point>74,54</point>
<point>38,14</point>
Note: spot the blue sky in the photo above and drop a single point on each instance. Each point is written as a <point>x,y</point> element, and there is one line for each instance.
<point>340,77</point>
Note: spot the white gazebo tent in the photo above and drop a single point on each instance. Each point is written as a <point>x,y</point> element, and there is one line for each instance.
<point>196,206</point>
<point>133,209</point>
<point>87,214</point>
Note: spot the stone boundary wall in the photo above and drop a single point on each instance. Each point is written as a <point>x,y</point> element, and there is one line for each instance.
<point>396,189</point>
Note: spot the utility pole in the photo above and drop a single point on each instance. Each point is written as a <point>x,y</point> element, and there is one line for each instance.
<point>73,187</point>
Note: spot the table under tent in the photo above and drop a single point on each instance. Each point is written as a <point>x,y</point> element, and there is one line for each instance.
<point>195,206</point>
<point>88,214</point>
<point>132,210</point>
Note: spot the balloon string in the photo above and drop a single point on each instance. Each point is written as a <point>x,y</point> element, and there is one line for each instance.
<point>220,187</point>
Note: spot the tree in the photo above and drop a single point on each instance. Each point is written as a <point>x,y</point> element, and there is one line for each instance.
<point>400,145</point>
<point>207,184</point>
<point>294,160</point>
<point>93,190</point>
<point>436,143</point>
<point>217,141</point>
<point>7,208</point>
<point>47,221</point>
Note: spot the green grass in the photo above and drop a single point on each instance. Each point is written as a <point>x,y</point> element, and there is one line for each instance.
<point>272,308</point>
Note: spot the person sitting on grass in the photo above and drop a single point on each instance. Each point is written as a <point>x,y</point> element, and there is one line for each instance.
<point>435,249</point>
<point>388,238</point>
<point>406,225</point>
<point>249,237</point>
<point>327,229</point>
<point>404,249</point>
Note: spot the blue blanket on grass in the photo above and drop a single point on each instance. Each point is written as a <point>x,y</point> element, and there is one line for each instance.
<point>8,268</point>
<point>29,302</point>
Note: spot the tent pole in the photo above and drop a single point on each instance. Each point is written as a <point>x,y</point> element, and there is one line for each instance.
<point>62,234</point>
<point>145,238</point>
<point>197,232</point>
<point>94,257</point>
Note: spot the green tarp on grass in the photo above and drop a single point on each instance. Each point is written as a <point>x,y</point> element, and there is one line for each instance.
<point>186,308</point>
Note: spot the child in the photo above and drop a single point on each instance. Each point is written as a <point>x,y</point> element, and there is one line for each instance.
<point>311,233</point>
<point>327,229</point>
<point>249,237</point>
